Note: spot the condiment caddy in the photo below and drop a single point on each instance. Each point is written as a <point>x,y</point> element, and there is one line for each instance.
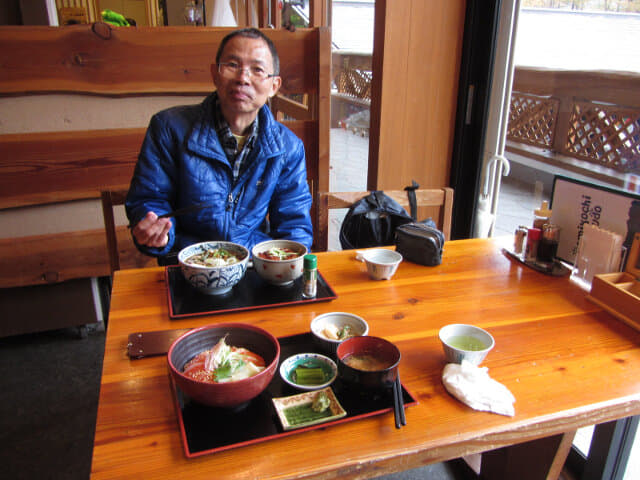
<point>536,246</point>
<point>619,292</point>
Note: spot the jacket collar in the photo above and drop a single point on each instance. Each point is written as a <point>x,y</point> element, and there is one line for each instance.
<point>203,138</point>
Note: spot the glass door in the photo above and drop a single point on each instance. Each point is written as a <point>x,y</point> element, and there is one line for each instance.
<point>549,133</point>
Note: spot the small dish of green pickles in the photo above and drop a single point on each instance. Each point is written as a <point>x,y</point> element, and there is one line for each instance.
<point>308,371</point>
<point>308,408</point>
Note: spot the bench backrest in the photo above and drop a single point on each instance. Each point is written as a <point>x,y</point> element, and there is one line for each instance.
<point>119,63</point>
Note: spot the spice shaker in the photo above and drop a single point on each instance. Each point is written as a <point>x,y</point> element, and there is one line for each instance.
<point>310,276</point>
<point>520,235</point>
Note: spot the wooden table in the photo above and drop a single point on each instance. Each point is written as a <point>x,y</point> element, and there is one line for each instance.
<point>568,363</point>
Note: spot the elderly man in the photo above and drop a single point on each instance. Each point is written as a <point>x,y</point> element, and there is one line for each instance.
<point>228,153</point>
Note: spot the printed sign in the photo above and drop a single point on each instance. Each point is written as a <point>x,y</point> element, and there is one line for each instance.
<point>575,203</point>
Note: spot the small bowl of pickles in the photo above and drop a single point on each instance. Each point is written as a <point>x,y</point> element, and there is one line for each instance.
<point>308,371</point>
<point>465,342</point>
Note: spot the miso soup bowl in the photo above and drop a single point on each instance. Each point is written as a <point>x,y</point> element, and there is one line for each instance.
<point>453,338</point>
<point>227,394</point>
<point>379,348</point>
<point>213,280</point>
<point>278,272</point>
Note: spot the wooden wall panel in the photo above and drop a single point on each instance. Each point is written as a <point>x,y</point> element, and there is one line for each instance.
<point>120,61</point>
<point>417,49</point>
<point>41,168</point>
<point>54,258</point>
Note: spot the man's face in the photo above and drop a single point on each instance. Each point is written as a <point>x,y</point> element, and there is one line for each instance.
<point>241,93</point>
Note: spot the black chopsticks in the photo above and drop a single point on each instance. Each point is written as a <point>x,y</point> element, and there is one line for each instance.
<point>398,403</point>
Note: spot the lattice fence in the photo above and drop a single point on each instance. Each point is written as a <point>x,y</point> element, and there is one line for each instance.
<point>607,135</point>
<point>355,82</point>
<point>532,119</point>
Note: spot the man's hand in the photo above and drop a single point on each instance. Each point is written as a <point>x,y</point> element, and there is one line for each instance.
<point>152,231</point>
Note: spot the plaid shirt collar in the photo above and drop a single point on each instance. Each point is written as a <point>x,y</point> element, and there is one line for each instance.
<point>229,143</point>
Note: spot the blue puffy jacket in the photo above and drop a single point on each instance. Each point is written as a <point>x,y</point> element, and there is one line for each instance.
<point>182,163</point>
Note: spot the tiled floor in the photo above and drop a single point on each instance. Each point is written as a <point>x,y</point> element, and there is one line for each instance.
<point>347,173</point>
<point>516,203</point>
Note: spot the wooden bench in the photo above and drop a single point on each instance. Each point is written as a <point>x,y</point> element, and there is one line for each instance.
<point>55,168</point>
<point>116,64</point>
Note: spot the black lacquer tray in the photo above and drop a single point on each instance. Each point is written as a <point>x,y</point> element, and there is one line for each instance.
<point>252,292</point>
<point>207,430</point>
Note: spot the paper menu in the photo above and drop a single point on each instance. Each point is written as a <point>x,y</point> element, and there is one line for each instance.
<point>575,204</point>
<point>600,251</point>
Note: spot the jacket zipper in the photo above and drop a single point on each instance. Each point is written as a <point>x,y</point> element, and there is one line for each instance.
<point>227,216</point>
<point>236,201</point>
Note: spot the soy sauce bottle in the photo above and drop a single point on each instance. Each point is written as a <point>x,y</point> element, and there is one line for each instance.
<point>548,243</point>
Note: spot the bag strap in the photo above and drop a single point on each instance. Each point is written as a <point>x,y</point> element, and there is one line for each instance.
<point>413,204</point>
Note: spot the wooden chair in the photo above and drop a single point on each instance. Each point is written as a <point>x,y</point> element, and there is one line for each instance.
<point>109,200</point>
<point>431,198</point>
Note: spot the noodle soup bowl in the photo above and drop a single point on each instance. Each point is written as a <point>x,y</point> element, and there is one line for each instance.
<point>368,363</point>
<point>232,393</point>
<point>213,280</point>
<point>275,271</point>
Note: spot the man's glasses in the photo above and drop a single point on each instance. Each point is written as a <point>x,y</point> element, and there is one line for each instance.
<point>232,69</point>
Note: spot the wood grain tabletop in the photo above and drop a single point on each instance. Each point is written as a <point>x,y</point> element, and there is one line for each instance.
<point>567,362</point>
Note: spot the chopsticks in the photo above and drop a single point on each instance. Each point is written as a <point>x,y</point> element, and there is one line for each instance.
<point>183,211</point>
<point>398,403</point>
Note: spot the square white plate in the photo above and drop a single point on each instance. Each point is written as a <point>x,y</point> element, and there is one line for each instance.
<point>283,403</point>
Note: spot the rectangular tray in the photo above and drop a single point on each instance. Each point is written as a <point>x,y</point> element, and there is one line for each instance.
<point>249,294</point>
<point>205,430</point>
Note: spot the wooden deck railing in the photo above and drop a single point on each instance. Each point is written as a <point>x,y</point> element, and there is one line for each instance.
<point>585,122</point>
<point>351,85</point>
<point>579,121</point>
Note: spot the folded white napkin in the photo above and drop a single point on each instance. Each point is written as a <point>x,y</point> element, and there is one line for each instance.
<point>473,386</point>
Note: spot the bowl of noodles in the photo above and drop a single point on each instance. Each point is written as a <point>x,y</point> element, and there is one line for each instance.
<point>279,262</point>
<point>213,268</point>
<point>224,365</point>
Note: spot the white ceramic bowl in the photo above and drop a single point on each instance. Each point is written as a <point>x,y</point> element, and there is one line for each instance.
<point>213,280</point>
<point>309,360</point>
<point>381,263</point>
<point>465,342</point>
<point>336,321</point>
<point>278,272</point>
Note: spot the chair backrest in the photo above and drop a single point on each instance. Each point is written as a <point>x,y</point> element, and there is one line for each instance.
<point>109,200</point>
<point>425,198</point>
